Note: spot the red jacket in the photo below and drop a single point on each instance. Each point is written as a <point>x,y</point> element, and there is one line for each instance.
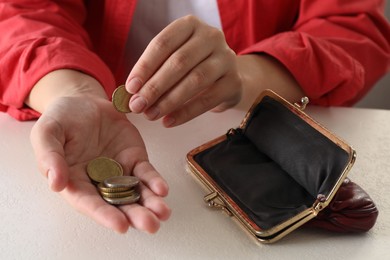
<point>336,50</point>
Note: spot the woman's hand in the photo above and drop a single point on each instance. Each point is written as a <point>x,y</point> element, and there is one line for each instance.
<point>77,127</point>
<point>186,70</point>
<point>74,130</point>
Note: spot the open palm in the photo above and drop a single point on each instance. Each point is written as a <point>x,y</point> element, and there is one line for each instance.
<point>74,130</point>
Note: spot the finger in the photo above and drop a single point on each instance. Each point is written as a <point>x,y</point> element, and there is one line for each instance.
<point>152,184</point>
<point>135,162</point>
<point>151,178</point>
<point>196,81</point>
<point>84,197</point>
<point>141,218</point>
<point>155,203</point>
<point>214,96</point>
<point>47,141</point>
<point>147,213</point>
<point>158,50</point>
<point>176,66</point>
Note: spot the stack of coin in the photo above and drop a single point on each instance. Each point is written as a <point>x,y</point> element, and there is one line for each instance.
<point>115,188</point>
<point>120,99</point>
<point>119,190</point>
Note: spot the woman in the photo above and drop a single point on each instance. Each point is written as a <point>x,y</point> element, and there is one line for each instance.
<point>61,60</point>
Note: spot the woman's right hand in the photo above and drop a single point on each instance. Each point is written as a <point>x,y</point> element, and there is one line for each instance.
<point>75,129</point>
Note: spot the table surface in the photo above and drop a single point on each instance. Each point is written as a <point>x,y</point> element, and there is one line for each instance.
<point>37,223</point>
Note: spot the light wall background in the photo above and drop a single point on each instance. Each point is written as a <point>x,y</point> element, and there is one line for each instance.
<point>379,96</point>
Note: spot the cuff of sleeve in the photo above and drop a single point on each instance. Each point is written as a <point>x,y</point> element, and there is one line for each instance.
<point>42,57</point>
<point>325,72</point>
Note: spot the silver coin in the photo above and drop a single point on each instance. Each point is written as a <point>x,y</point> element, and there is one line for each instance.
<point>121,182</point>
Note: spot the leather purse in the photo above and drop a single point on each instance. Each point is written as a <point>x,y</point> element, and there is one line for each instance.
<point>351,211</point>
<point>279,170</point>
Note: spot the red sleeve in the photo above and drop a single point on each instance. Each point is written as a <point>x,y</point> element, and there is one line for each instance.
<point>38,37</point>
<point>336,50</point>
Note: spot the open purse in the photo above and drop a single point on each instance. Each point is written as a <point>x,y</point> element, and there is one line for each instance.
<point>278,170</point>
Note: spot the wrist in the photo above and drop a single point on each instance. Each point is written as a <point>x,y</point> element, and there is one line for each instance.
<point>261,71</point>
<point>63,83</point>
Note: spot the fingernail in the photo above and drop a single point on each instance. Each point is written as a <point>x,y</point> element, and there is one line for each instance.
<point>137,104</point>
<point>152,113</point>
<point>168,121</point>
<point>133,85</point>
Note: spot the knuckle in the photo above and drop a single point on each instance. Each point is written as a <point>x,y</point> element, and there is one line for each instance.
<point>197,77</point>
<point>230,53</point>
<point>179,61</point>
<point>190,19</point>
<point>160,43</point>
<point>206,101</point>
<point>215,34</point>
<point>144,67</point>
<point>152,91</point>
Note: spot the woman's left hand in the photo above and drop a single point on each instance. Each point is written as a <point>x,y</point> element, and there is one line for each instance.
<point>186,70</point>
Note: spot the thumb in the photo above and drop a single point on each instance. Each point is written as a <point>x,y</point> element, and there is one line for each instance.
<point>56,170</point>
<point>47,140</point>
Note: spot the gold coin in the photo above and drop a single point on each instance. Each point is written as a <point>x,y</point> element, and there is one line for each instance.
<point>102,168</point>
<point>121,182</point>
<point>120,194</point>
<point>125,200</point>
<point>120,99</point>
<point>103,188</point>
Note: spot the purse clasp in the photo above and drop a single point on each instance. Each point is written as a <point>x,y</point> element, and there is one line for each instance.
<point>210,200</point>
<point>302,105</point>
<point>319,203</point>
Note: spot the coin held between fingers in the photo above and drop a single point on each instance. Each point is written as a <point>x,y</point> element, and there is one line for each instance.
<point>121,99</point>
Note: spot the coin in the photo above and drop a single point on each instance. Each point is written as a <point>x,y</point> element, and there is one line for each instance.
<point>116,189</point>
<point>121,181</point>
<point>103,188</point>
<point>119,194</point>
<point>102,168</point>
<point>124,200</point>
<point>120,99</point>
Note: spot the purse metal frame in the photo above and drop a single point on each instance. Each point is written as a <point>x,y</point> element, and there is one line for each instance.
<point>218,199</point>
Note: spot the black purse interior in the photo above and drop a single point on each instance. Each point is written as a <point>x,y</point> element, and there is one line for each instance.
<point>276,167</point>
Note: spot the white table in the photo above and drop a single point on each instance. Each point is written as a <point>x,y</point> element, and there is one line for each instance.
<point>37,224</point>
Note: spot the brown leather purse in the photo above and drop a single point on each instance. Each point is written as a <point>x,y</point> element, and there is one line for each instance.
<point>351,210</point>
